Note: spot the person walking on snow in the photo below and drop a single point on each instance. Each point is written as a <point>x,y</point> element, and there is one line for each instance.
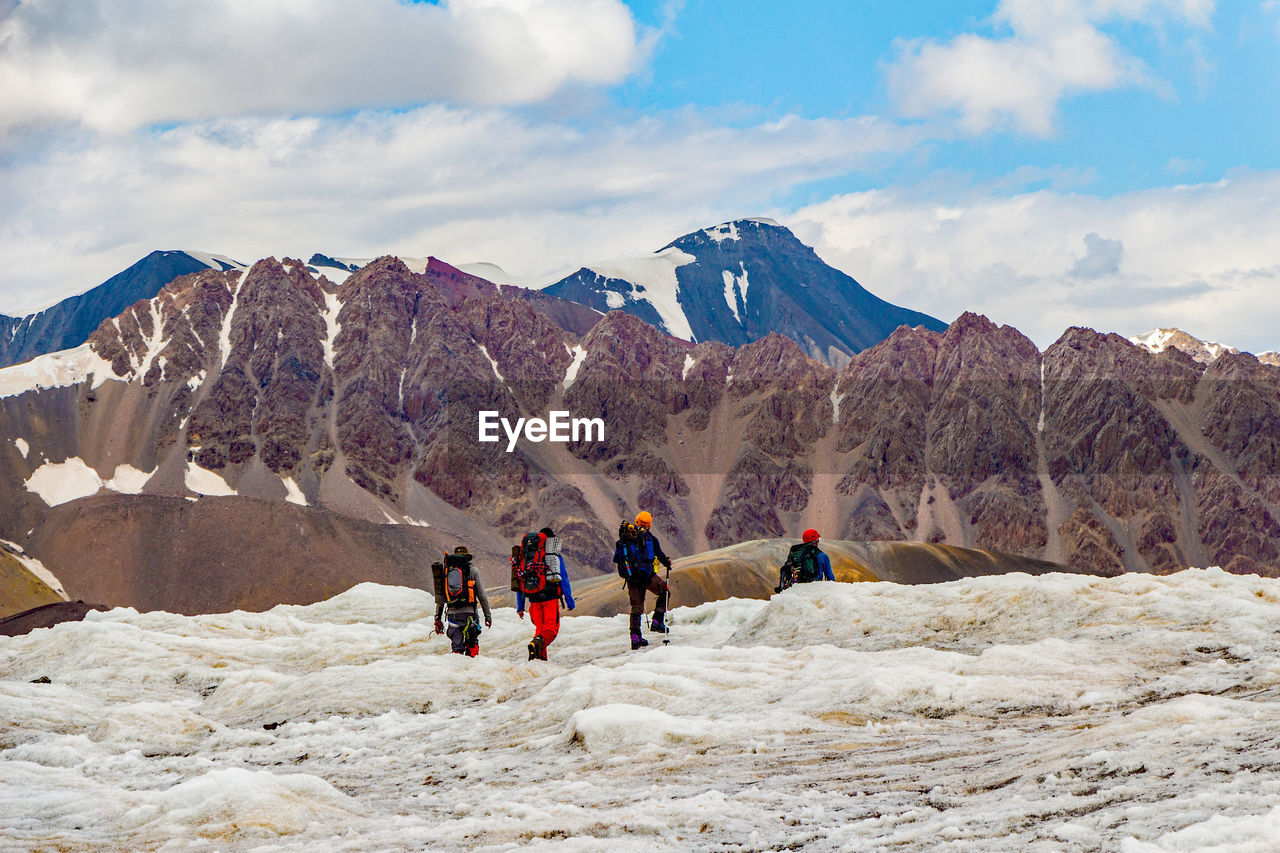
<point>634,553</point>
<point>805,563</point>
<point>458,591</point>
<point>544,605</point>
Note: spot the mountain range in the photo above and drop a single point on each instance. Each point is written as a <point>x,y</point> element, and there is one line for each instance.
<point>333,424</point>
<point>70,322</point>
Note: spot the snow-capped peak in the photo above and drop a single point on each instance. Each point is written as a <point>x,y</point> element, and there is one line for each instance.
<point>215,261</point>
<point>723,231</point>
<point>1158,340</point>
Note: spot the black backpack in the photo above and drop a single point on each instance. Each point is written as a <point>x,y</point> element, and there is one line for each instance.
<point>459,584</point>
<point>801,566</point>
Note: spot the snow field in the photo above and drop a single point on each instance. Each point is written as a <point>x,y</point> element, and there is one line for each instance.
<point>56,370</point>
<point>59,482</point>
<point>1007,713</point>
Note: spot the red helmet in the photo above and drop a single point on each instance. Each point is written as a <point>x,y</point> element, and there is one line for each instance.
<point>809,535</point>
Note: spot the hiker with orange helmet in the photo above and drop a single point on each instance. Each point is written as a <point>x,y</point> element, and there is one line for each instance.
<point>635,553</point>
<point>805,563</point>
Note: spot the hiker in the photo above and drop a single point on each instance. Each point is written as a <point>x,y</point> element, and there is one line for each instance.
<point>539,578</point>
<point>805,563</point>
<point>634,553</point>
<point>458,589</point>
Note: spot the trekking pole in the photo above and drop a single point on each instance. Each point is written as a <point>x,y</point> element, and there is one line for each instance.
<point>666,625</point>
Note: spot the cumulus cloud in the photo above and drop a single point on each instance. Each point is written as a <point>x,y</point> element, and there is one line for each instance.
<point>1201,257</point>
<point>1101,257</point>
<point>1053,50</point>
<point>462,184</point>
<point>115,65</point>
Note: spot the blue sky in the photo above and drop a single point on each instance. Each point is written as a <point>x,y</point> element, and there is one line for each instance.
<point>819,59</point>
<point>1109,163</point>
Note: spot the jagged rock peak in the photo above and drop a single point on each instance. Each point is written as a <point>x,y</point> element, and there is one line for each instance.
<point>1159,340</point>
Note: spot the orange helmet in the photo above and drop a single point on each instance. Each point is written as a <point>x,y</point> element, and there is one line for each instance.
<point>809,535</point>
<point>644,519</point>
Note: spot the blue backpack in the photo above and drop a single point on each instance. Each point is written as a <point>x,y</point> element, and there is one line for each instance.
<point>631,553</point>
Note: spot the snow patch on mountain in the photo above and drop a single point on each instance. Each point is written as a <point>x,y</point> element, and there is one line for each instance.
<point>332,307</point>
<point>61,482</point>
<point>205,482</point>
<point>224,337</point>
<point>215,261</point>
<point>579,354</point>
<point>723,231</point>
<point>492,363</point>
<point>495,274</point>
<point>56,370</point>
<point>653,280</point>
<point>735,289</point>
<point>294,495</point>
<point>731,294</point>
<point>23,447</point>
<point>36,568</point>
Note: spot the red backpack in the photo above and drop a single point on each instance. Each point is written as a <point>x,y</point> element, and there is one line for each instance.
<point>529,567</point>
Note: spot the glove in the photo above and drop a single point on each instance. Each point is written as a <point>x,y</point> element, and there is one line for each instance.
<point>439,627</point>
<point>488,622</point>
<point>568,601</point>
<point>520,613</point>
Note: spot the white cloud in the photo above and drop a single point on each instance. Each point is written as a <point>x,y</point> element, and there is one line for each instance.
<point>1055,49</point>
<point>1101,257</point>
<point>120,64</point>
<point>1202,257</point>
<point>461,184</point>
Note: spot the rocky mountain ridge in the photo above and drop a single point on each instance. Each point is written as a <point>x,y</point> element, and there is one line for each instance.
<point>249,390</point>
<point>69,323</point>
<point>1158,340</point>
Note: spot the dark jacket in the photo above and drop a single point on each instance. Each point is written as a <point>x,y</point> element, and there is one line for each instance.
<point>642,559</point>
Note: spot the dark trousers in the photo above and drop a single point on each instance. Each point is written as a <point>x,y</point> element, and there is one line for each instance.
<point>636,591</point>
<point>458,634</point>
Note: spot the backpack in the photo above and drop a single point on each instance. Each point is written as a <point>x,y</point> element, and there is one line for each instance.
<point>459,586</point>
<point>801,566</point>
<point>630,553</point>
<point>531,571</point>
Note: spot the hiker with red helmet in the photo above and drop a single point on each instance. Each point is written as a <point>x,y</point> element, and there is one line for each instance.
<point>635,554</point>
<point>805,563</point>
<point>539,554</point>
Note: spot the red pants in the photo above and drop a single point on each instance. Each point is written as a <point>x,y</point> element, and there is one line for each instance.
<point>546,619</point>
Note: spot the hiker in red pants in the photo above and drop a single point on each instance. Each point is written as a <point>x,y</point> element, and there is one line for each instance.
<point>544,605</point>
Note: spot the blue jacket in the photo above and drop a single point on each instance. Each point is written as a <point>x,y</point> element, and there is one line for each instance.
<point>566,592</point>
<point>824,567</point>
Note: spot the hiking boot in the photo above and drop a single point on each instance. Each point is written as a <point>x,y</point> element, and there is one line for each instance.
<point>473,651</point>
<point>658,625</point>
<point>537,649</point>
<point>638,642</point>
